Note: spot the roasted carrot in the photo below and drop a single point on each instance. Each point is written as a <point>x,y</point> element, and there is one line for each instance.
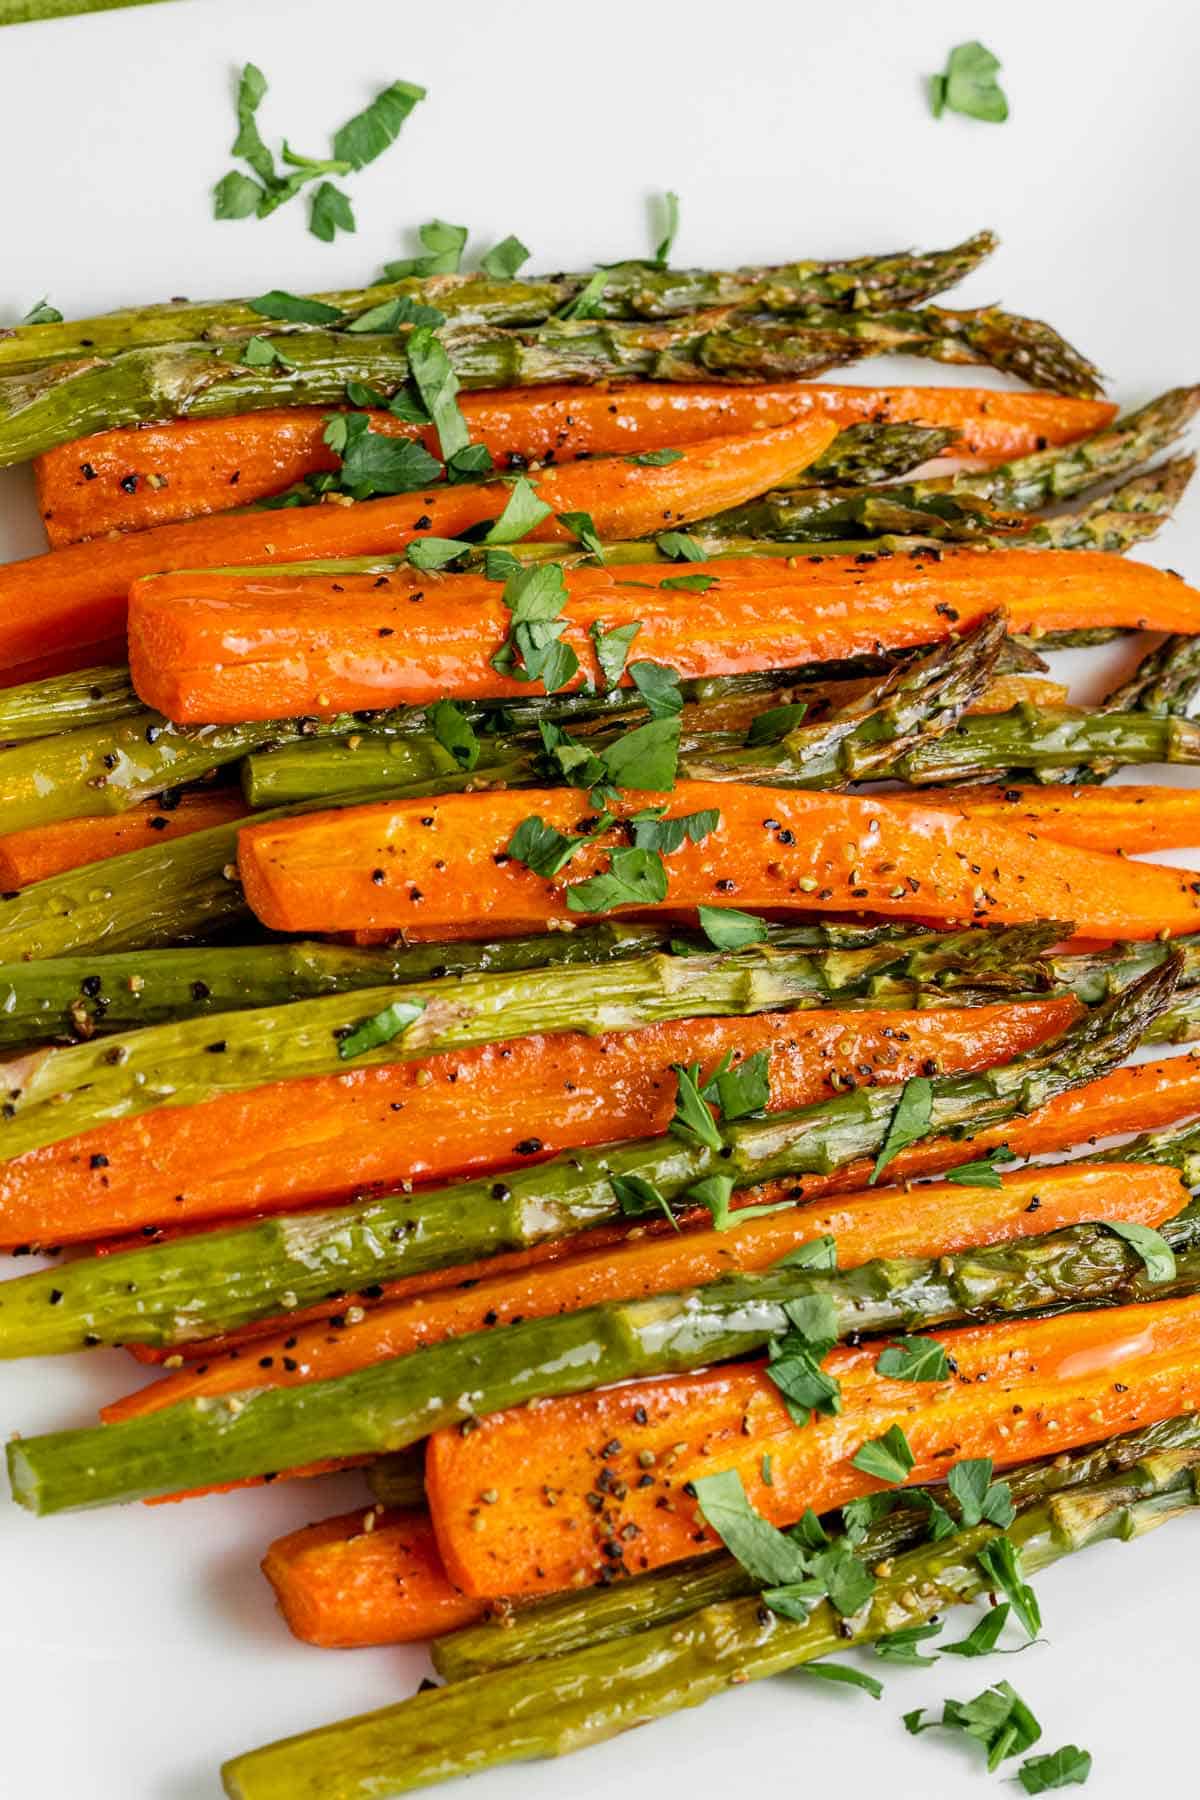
<point>1123,819</point>
<point>1142,1097</point>
<point>389,864</point>
<point>928,1221</point>
<point>44,850</point>
<point>77,596</point>
<point>150,475</point>
<point>1019,1390</point>
<point>331,1137</point>
<point>370,1577</point>
<point>216,646</point>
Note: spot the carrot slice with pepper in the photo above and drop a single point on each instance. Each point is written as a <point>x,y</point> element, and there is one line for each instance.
<point>77,596</point>
<point>1128,820</point>
<point>331,1137</point>
<point>348,1581</point>
<point>44,850</point>
<point>433,865</point>
<point>140,476</point>
<point>1018,1390</point>
<point>928,1221</point>
<point>218,645</point>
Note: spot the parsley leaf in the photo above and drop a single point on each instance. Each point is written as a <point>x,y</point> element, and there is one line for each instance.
<point>374,464</point>
<point>981,1501</point>
<point>680,546</point>
<point>296,309</point>
<point>522,512</point>
<point>369,133</point>
<point>771,726</point>
<point>505,258</point>
<point>983,1173</point>
<point>845,1672</point>
<point>586,304</point>
<point>582,526</point>
<point>658,684</point>
<point>669,835</point>
<point>646,757</point>
<point>437,384</point>
<point>716,1191</point>
<point>536,595</point>
<point>914,1359</point>
<point>655,459</point>
<point>728,929</point>
<point>670,230</point>
<point>794,1364</point>
<point>434,552</point>
<point>261,353</point>
<point>455,733</point>
<point>390,315</point>
<point>380,1028</point>
<point>690,584</point>
<point>1068,1767</point>
<point>541,847</point>
<point>887,1458</point>
<point>1002,1565</point>
<point>42,314</point>
<point>742,1089</point>
<point>235,196</point>
<point>941,1525</point>
<point>612,648</point>
<point>908,1124</point>
<point>692,1118</point>
<point>968,85</point>
<point>768,1555</point>
<point>444,246</point>
<point>998,1719</point>
<point>1154,1250</point>
<point>983,1638</point>
<point>249,144</point>
<point>637,1197</point>
<point>818,1253</point>
<point>634,878</point>
<point>902,1646</point>
<point>331,212</point>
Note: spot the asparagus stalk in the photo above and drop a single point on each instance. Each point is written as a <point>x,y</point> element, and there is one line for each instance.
<point>561,1623</point>
<point>63,702</point>
<point>391,1405</point>
<point>197,1286</point>
<point>551,1708</point>
<point>1166,682</point>
<point>77,997</point>
<point>67,400</point>
<point>1036,741</point>
<point>631,291</point>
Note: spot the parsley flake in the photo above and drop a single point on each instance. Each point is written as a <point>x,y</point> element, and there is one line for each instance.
<point>914,1359</point>
<point>261,353</point>
<point>504,259</point>
<point>984,1173</point>
<point>680,546</point>
<point>998,1719</point>
<point>981,1501</point>
<point>455,733</point>
<point>330,213</point>
<point>909,1123</point>
<point>654,459</point>
<point>43,314</point>
<point>381,1028</point>
<point>728,929</point>
<point>1001,1563</point>
<point>650,832</point>
<point>846,1674</point>
<point>444,245</point>
<point>1156,1254</point>
<point>670,230</point>
<point>968,85</point>
<point>612,649</point>
<point>369,133</point>
<point>633,878</point>
<point>296,309</point>
<point>582,527</point>
<point>523,512</point>
<point>887,1458</point>
<point>690,584</point>
<point>1068,1767</point>
<point>772,725</point>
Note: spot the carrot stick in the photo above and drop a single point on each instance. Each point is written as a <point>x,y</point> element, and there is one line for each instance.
<point>44,850</point>
<point>772,848</point>
<point>1018,1390</point>
<point>1127,820</point>
<point>218,646</point>
<point>77,596</point>
<point>1139,1098</point>
<point>370,1577</point>
<point>136,477</point>
<point>332,1137</point>
<point>930,1221</point>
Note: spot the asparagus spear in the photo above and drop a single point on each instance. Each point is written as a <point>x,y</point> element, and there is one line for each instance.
<point>62,702</point>
<point>631,291</point>
<point>564,1622</point>
<point>391,1405</point>
<point>209,380</point>
<point>76,997</point>
<point>549,1708</point>
<point>1035,741</point>
<point>193,1287</point>
<point>1166,682</point>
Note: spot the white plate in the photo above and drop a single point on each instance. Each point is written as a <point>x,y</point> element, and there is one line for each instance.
<point>140,1647</point>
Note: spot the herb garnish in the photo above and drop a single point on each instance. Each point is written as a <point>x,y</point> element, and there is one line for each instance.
<point>914,1359</point>
<point>690,584</point>
<point>984,1173</point>
<point>372,463</point>
<point>296,309</point>
<point>654,459</point>
<point>612,648</point>
<point>968,85</point>
<point>261,353</point>
<point>504,259</point>
<point>582,526</point>
<point>455,733</point>
<point>845,1673</point>
<point>1001,1563</point>
<point>633,878</point>
<point>380,1028</point>
<point>1154,1250</point>
<point>794,1574</point>
<point>887,1458</point>
<point>773,725</point>
<point>909,1123</point>
<point>652,832</point>
<point>535,596</point>
<point>437,385</point>
<point>981,1501</point>
<point>728,929</point>
<point>43,314</point>
<point>998,1719</point>
<point>370,132</point>
<point>444,245</point>
<point>670,230</point>
<point>680,546</point>
<point>1068,1767</point>
<point>522,513</point>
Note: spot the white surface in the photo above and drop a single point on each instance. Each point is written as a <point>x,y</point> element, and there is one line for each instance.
<point>140,1647</point>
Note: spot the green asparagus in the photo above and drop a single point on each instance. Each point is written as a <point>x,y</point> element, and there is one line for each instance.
<point>630,291</point>
<point>553,1707</point>
<point>66,400</point>
<point>390,1405</point>
<point>194,1287</point>
<point>63,702</point>
<point>571,1621</point>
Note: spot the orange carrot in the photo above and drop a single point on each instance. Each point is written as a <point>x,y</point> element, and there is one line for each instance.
<point>371,1577</point>
<point>1127,820</point>
<point>140,476</point>
<point>43,850</point>
<point>1019,1389</point>
<point>928,1221</point>
<point>778,849</point>
<point>217,646</point>
<point>77,596</point>
<point>331,1137</point>
<point>1007,691</point>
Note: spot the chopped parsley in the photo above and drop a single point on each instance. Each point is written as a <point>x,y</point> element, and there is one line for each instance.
<point>455,733</point>
<point>1001,1563</point>
<point>998,1719</point>
<point>295,309</point>
<point>261,353</point>
<point>909,1123</point>
<point>1068,1767</point>
<point>330,213</point>
<point>680,546</point>
<point>818,1253</point>
<point>652,832</point>
<point>846,1674</point>
<point>587,303</point>
<point>381,1028</point>
<point>914,1359</point>
<point>654,459</point>
<point>981,1501</point>
<point>773,725</point>
<point>504,259</point>
<point>633,878</point>
<point>444,245</point>
<point>985,1172</point>
<point>523,512</point>
<point>728,929</point>
<point>582,527</point>
<point>1156,1254</point>
<point>612,648</point>
<point>658,684</point>
<point>536,595</point>
<point>372,463</point>
<point>690,584</point>
<point>370,132</point>
<point>968,85</point>
<point>670,230</point>
<point>43,314</point>
<point>887,1458</point>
